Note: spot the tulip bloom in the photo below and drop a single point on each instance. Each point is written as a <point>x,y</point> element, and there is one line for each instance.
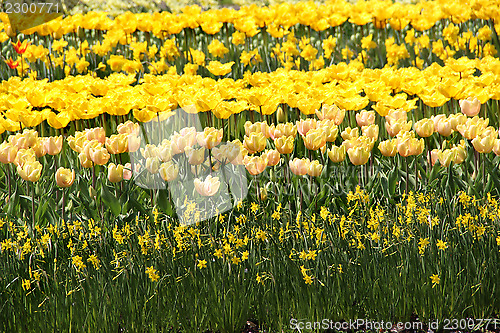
<point>358,155</point>
<point>370,131</point>
<point>85,161</point>
<point>209,138</point>
<point>315,139</point>
<point>424,127</point>
<point>483,144</point>
<point>470,106</point>
<point>444,127</point>
<point>169,171</point>
<point>255,142</point>
<point>388,148</point>
<point>65,177</point>
<point>129,127</point>
<point>8,152</point>
<point>117,143</point>
<point>299,166</point>
<point>30,171</point>
<point>280,130</point>
<point>255,164</point>
<point>99,155</point>
<point>365,118</point>
<point>329,128</point>
<point>208,187</point>
<point>258,127</point>
<point>153,164</point>
<point>53,145</point>
<point>331,112</point>
<point>273,157</point>
<point>315,169</point>
<point>284,144</point>
<point>115,173</point>
<point>24,156</point>
<point>127,171</point>
<point>304,126</point>
<point>195,156</point>
<point>337,154</point>
<point>97,133</point>
<point>350,133</point>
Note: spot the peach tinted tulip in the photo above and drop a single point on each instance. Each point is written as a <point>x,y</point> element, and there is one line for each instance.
<point>496,147</point>
<point>208,187</point>
<point>195,156</point>
<point>299,166</point>
<point>255,164</point>
<point>99,155</point>
<point>85,161</point>
<point>127,171</point>
<point>370,131</point>
<point>117,143</point>
<point>65,177</point>
<point>129,127</point>
<point>331,112</point>
<point>444,127</point>
<point>39,147</point>
<point>24,156</point>
<point>434,156</point>
<point>115,173</point>
<point>460,154</point>
<point>273,157</point>
<point>210,137</point>
<point>8,152</point>
<point>134,142</point>
<point>258,127</point>
<point>53,145</point>
<point>169,171</point>
<point>470,106</point>
<point>287,129</point>
<point>315,139</point>
<point>304,126</point>
<point>365,118</point>
<point>97,133</point>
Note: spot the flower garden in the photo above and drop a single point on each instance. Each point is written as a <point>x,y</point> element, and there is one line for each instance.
<point>233,169</point>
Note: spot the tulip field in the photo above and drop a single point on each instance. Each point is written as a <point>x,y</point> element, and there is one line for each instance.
<point>238,169</point>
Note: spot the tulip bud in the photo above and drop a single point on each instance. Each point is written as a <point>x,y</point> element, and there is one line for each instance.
<point>65,177</point>
<point>115,173</point>
<point>263,193</point>
<point>127,171</point>
<point>129,127</point>
<point>209,138</point>
<point>117,144</point>
<point>446,157</point>
<point>281,115</point>
<point>97,133</point>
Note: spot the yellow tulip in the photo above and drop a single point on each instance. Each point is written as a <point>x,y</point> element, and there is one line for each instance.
<point>388,148</point>
<point>115,173</point>
<point>30,171</point>
<point>169,171</point>
<point>470,106</point>
<point>284,144</point>
<point>65,177</point>
<point>208,187</point>
<point>315,169</point>
<point>358,155</point>
<point>315,139</point>
<point>255,142</point>
<point>424,127</point>
<point>337,154</point>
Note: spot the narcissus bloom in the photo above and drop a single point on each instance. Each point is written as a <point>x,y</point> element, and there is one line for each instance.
<point>208,187</point>
<point>65,177</point>
<point>30,171</point>
<point>216,68</point>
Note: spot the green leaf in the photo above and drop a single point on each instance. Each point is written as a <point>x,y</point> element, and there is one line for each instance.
<point>110,200</point>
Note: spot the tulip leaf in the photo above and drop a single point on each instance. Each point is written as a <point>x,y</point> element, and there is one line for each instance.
<point>110,200</point>
<point>164,202</point>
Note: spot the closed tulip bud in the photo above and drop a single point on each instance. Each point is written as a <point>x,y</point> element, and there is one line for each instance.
<point>331,112</point>
<point>281,115</point>
<point>483,144</point>
<point>263,193</point>
<point>53,145</point>
<point>65,177</point>
<point>315,169</point>
<point>127,171</point>
<point>304,126</point>
<point>365,118</point>
<point>434,156</point>
<point>39,148</point>
<point>470,106</point>
<point>370,131</point>
<point>273,157</point>
<point>446,157</point>
<point>30,171</point>
<point>315,139</point>
<point>195,156</point>
<point>208,187</point>
<point>169,171</point>
<point>358,155</point>
<point>8,152</point>
<point>97,133</point>
<point>388,148</point>
<point>117,144</point>
<point>424,128</point>
<point>99,155</point>
<point>24,156</point>
<point>209,138</point>
<point>444,127</point>
<point>337,154</point>
<point>129,127</point>
<point>153,164</point>
<point>284,144</point>
<point>115,173</point>
<point>299,166</point>
<point>255,164</point>
<point>255,142</point>
<point>85,161</point>
<point>350,133</point>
